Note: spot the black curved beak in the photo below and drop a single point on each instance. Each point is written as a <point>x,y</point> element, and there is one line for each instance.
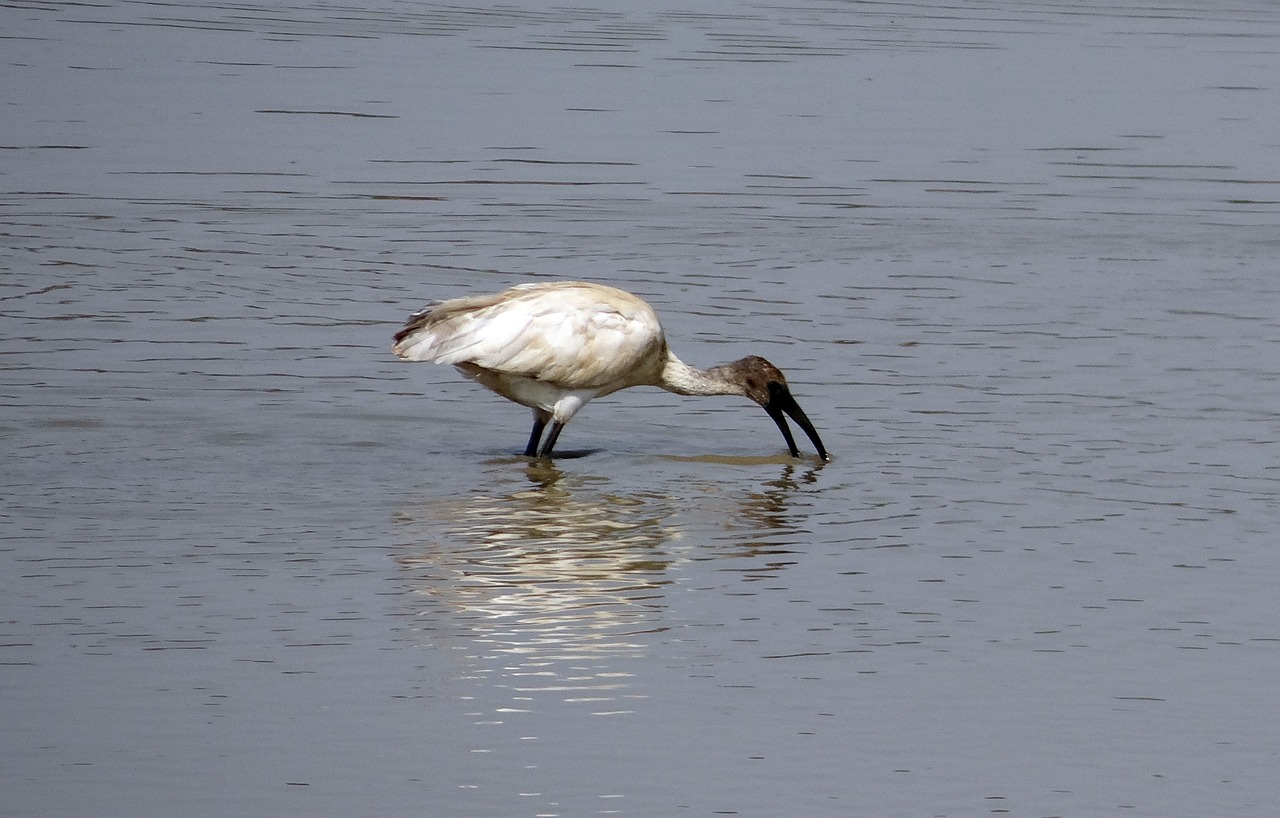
<point>780,401</point>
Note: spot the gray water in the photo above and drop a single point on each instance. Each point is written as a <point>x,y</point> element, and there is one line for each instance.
<point>1018,260</point>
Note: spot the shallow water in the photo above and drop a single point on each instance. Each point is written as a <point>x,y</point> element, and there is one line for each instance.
<point>1018,261</point>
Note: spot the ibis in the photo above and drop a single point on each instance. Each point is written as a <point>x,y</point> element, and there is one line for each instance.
<point>553,347</point>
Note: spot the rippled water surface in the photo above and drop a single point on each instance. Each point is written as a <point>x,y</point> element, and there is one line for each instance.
<point>1019,261</point>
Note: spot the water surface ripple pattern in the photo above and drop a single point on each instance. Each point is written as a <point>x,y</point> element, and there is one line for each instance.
<point>1017,260</point>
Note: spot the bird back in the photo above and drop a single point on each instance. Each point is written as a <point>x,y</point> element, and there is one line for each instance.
<point>571,334</point>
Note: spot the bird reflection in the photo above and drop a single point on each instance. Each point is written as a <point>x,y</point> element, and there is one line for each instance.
<point>546,587</point>
<point>768,520</point>
<point>770,508</point>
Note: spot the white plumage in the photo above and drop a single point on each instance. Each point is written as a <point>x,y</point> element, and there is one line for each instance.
<point>553,347</point>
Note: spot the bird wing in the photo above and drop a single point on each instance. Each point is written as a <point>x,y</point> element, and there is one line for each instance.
<point>574,336</point>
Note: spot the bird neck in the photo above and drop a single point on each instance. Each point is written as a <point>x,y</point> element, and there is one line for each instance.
<point>679,377</point>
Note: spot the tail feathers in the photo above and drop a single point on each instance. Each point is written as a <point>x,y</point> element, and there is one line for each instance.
<point>443,334</point>
<point>464,330</point>
<point>417,340</point>
<point>417,347</point>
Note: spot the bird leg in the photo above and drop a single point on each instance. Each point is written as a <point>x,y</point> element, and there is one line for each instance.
<point>550,442</point>
<point>540,419</point>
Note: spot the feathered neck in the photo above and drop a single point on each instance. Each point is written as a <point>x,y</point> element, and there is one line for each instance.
<point>679,377</point>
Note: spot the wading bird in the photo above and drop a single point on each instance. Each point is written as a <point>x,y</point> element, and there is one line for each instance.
<point>553,347</point>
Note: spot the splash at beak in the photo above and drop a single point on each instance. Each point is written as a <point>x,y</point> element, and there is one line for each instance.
<point>781,401</point>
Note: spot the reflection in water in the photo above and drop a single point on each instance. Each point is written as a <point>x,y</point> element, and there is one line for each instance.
<point>765,519</point>
<point>545,587</point>
<point>544,600</point>
<point>771,508</point>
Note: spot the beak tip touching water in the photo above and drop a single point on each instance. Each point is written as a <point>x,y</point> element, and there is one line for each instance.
<point>782,402</point>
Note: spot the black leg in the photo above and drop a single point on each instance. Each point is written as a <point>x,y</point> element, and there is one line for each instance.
<point>539,422</point>
<point>556,426</point>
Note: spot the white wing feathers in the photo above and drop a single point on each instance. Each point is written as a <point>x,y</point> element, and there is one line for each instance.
<point>575,338</point>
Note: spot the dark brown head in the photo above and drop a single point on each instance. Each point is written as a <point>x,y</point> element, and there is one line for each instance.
<point>765,384</point>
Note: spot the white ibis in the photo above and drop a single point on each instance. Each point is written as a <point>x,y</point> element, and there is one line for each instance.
<point>555,346</point>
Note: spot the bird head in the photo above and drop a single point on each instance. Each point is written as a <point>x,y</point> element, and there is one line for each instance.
<point>765,384</point>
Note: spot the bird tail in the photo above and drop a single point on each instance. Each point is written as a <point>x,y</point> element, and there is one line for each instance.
<point>418,340</point>
<point>463,330</point>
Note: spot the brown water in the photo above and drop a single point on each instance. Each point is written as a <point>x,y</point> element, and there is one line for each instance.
<point>1018,261</point>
